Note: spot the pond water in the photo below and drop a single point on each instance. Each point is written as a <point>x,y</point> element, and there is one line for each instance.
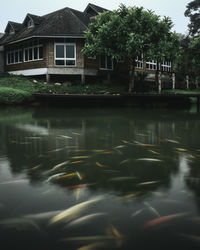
<point>99,178</point>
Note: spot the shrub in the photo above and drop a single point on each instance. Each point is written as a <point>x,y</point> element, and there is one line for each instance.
<point>12,95</point>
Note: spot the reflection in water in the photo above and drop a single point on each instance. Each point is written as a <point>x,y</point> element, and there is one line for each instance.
<point>103,179</point>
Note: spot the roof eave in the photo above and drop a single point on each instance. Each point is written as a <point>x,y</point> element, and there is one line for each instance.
<point>60,36</point>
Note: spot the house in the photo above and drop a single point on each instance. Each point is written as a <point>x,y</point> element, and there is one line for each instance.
<point>51,45</point>
<point>1,56</point>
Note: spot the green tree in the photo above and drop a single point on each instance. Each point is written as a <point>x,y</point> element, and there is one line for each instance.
<point>194,59</point>
<point>193,12</point>
<point>127,32</point>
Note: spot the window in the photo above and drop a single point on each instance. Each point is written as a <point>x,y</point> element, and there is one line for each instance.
<point>33,51</point>
<point>106,62</point>
<point>30,23</point>
<point>139,62</point>
<point>65,54</point>
<point>152,65</point>
<point>166,66</point>
<point>14,56</point>
<point>11,30</point>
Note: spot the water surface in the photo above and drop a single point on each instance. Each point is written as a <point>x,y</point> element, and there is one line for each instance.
<point>135,174</point>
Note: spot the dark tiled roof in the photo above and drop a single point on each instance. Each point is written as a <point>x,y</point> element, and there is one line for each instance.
<point>64,22</point>
<point>16,26</point>
<point>1,34</point>
<point>96,8</point>
<point>36,19</point>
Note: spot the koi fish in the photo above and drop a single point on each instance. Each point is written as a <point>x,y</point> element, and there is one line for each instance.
<point>70,175</point>
<point>75,133</point>
<point>58,166</point>
<point>15,181</point>
<point>73,212</point>
<point>120,146</point>
<point>181,149</point>
<point>147,183</point>
<point>54,177</point>
<point>36,167</point>
<point>122,178</point>
<point>172,141</point>
<point>149,159</point>
<point>153,152</point>
<point>161,220</point>
<point>76,162</point>
<point>65,137</point>
<point>80,185</point>
<point>107,152</point>
<point>85,219</point>
<point>81,157</point>
<point>97,245</point>
<point>124,161</point>
<point>99,164</point>
<point>93,238</point>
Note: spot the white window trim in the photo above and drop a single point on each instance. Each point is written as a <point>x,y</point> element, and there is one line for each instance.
<point>153,63</point>
<point>30,23</point>
<point>14,51</point>
<point>139,63</point>
<point>32,47</point>
<point>65,59</point>
<point>106,64</point>
<point>166,66</point>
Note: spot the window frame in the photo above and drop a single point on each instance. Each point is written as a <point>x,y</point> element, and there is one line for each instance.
<point>152,63</point>
<point>31,48</point>
<point>106,61</point>
<point>139,62</point>
<point>13,52</point>
<point>166,66</point>
<point>30,23</point>
<point>65,59</point>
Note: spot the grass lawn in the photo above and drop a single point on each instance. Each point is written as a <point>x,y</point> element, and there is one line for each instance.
<point>20,89</point>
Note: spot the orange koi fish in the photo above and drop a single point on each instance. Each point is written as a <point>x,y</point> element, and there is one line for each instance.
<point>161,220</point>
<point>80,185</point>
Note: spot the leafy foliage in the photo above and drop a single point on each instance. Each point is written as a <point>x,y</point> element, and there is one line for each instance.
<point>193,12</point>
<point>129,32</point>
<point>11,95</point>
<point>19,89</point>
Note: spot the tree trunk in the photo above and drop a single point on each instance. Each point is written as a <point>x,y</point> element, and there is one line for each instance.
<point>132,76</point>
<point>173,80</point>
<point>196,82</point>
<point>187,81</point>
<point>158,78</point>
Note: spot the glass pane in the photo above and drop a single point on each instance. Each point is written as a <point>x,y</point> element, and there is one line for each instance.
<point>70,51</point>
<point>35,42</point>
<point>26,55</point>
<point>36,53</point>
<point>8,58</point>
<point>30,54</point>
<point>109,62</point>
<point>103,62</point>
<point>60,62</point>
<point>12,57</point>
<point>40,52</point>
<point>59,51</point>
<point>70,62</point>
<point>20,56</point>
<point>16,56</point>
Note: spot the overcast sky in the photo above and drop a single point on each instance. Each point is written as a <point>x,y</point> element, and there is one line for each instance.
<point>16,10</point>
